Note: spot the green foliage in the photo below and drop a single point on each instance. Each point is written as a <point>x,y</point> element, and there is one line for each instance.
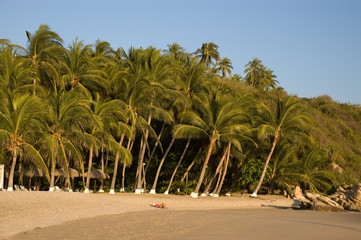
<point>251,172</point>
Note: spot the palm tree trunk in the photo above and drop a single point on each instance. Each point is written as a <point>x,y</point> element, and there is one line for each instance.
<point>52,179</point>
<point>217,184</point>
<point>254,194</point>
<point>152,191</point>
<point>205,192</point>
<point>154,148</point>
<point>21,172</point>
<point>189,167</point>
<point>129,145</point>
<point>34,89</point>
<point>102,166</point>
<point>123,179</point>
<point>224,172</point>
<point>194,194</point>
<point>178,164</point>
<point>89,170</point>
<point>12,170</point>
<point>112,186</point>
<point>138,190</point>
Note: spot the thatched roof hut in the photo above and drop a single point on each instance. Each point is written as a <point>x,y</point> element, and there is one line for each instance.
<point>97,173</point>
<point>35,172</point>
<point>72,173</point>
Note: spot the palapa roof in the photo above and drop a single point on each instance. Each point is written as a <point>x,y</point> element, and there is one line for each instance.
<point>72,173</point>
<point>97,173</point>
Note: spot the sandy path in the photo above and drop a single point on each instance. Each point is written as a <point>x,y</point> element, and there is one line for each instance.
<point>23,211</point>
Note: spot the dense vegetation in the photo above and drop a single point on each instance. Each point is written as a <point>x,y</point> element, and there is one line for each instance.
<point>168,120</point>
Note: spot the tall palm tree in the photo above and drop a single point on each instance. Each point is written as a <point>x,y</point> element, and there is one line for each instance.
<point>21,117</point>
<point>289,118</point>
<point>144,85</point>
<point>80,71</point>
<point>177,166</point>
<point>68,114</point>
<point>217,119</point>
<point>208,53</point>
<point>107,114</point>
<point>43,46</point>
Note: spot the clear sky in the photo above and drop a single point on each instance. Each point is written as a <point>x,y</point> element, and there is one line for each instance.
<point>313,46</point>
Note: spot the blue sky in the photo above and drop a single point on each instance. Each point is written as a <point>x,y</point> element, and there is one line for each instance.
<point>313,46</point>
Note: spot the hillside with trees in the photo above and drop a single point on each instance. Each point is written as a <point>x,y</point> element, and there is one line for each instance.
<point>93,117</point>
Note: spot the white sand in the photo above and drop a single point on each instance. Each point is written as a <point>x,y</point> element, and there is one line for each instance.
<point>23,211</point>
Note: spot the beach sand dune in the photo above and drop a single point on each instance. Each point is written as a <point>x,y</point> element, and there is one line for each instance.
<point>60,215</point>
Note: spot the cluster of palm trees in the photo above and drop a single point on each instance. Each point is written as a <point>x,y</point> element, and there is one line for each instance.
<point>86,106</point>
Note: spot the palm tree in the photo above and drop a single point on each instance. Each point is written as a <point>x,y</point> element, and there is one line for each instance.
<point>21,117</point>
<point>259,76</point>
<point>79,69</point>
<point>107,114</point>
<point>68,114</point>
<point>178,164</point>
<point>13,72</point>
<point>207,53</point>
<point>224,66</point>
<point>153,190</point>
<point>217,119</point>
<point>101,54</point>
<point>43,46</point>
<point>144,87</point>
<point>237,77</point>
<point>289,118</point>
<point>175,52</point>
<point>192,78</point>
<point>312,170</point>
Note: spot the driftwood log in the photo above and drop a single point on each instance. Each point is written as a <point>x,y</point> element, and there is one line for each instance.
<point>346,198</point>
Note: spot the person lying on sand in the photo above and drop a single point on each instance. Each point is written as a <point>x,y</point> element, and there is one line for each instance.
<point>162,205</point>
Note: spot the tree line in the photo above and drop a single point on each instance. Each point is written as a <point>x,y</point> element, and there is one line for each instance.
<point>163,120</point>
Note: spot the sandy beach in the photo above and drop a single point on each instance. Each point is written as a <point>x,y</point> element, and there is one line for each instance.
<point>61,215</point>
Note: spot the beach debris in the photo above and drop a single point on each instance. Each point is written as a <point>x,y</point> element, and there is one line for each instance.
<point>346,198</point>
<point>349,197</point>
<point>297,192</point>
<point>161,205</point>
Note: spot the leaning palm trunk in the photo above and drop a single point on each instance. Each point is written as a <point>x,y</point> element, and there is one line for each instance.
<point>89,170</point>
<point>138,190</point>
<point>153,190</point>
<point>189,167</point>
<point>218,189</point>
<point>217,184</point>
<point>112,186</point>
<point>178,164</point>
<point>154,148</point>
<point>254,194</point>
<point>138,170</point>
<point>12,170</point>
<point>206,191</point>
<point>194,194</point>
